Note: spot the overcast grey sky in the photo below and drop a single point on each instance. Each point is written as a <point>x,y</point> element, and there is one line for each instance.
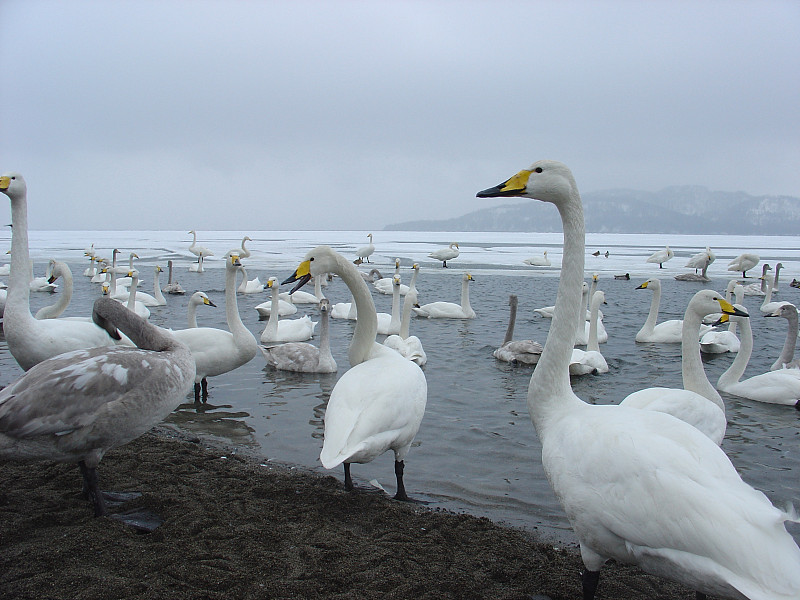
<point>350,114</point>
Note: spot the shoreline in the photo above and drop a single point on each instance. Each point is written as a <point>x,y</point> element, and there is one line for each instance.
<point>236,527</point>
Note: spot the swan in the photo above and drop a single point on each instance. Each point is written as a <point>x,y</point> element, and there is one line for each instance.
<point>102,270</point>
<point>772,387</point>
<point>373,275</point>
<point>385,285</point>
<point>538,261</point>
<point>216,351</point>
<point>303,357</point>
<point>786,359</point>
<point>157,295</point>
<point>288,330</point>
<point>389,324</point>
<point>41,284</point>
<point>697,403</point>
<point>547,311</point>
<point>301,297</point>
<point>285,308</point>
<point>584,362</point>
<point>144,298</point>
<point>56,269</point>
<point>197,299</point>
<point>760,288</point>
<point>445,254</point>
<point>701,260</point>
<point>198,251</point>
<point>378,404</point>
<point>519,351</point>
<point>661,256</point>
<point>641,486</point>
<point>31,341</point>
<point>768,306</point>
<point>91,270</point>
<point>172,287</point>
<point>667,332</point>
<point>197,267</point>
<point>241,252</point>
<point>744,262</point>
<point>409,346</point>
<point>250,286</point>
<point>77,406</point>
<point>132,303</point>
<point>449,310</point>
<point>345,310</point>
<point>719,342</point>
<point>366,251</point>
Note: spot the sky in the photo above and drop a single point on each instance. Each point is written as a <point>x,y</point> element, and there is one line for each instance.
<point>351,115</point>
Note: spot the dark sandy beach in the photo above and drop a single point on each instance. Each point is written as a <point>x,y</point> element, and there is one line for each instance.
<point>235,528</point>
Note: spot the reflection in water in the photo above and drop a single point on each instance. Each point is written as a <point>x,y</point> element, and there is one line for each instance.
<point>207,419</point>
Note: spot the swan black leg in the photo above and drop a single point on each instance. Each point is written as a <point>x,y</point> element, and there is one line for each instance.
<point>399,466</point>
<point>348,481</point>
<point>204,384</point>
<point>91,488</point>
<point>589,581</point>
<point>196,393</point>
<point>444,264</point>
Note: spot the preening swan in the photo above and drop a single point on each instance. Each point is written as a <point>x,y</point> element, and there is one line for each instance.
<point>77,406</point>
<point>29,340</point>
<point>378,404</point>
<point>590,361</point>
<point>287,330</point>
<point>303,357</point>
<point>449,310</point>
<point>786,359</point>
<point>538,261</point>
<point>216,351</point>
<point>520,351</point>
<point>445,254</point>
<point>667,332</point>
<point>772,387</point>
<point>409,346</point>
<point>641,486</point>
<point>661,256</point>
<point>744,262</point>
<point>366,251</point>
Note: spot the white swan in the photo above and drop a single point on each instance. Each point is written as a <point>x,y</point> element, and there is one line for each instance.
<point>389,324</point>
<point>302,297</point>
<point>172,287</point>
<point>760,287</point>
<point>667,332</point>
<point>157,295</point>
<point>517,351</point>
<point>303,357</point>
<point>242,252</point>
<point>786,358</point>
<point>91,270</point>
<point>197,267</point>
<point>772,387</point>
<point>768,306</point>
<point>385,285</point>
<point>197,299</point>
<point>582,332</point>
<point>132,303</point>
<point>445,254</point>
<point>56,269</point>
<point>661,256</point>
<point>77,406</point>
<point>778,268</point>
<point>144,298</point>
<point>366,251</point>
<point>449,310</point>
<point>285,308</point>
<point>198,251</point>
<point>744,262</point>
<point>31,341</point>
<point>590,361</point>
<point>409,346</point>
<point>378,404</point>
<point>641,486</point>
<point>701,260</point>
<point>216,351</point>
<point>719,342</point>
<point>287,330</point>
<point>250,286</point>
<point>40,284</point>
<point>538,261</point>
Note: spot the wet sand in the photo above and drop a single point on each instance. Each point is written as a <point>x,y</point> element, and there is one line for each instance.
<point>236,528</point>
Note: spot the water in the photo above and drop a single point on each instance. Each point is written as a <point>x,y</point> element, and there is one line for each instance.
<point>476,450</point>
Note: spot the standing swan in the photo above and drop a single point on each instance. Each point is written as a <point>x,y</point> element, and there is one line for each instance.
<point>378,404</point>
<point>661,256</point>
<point>445,254</point>
<point>77,406</point>
<point>744,262</point>
<point>639,486</point>
<point>366,251</point>
<point>216,351</point>
<point>31,341</point>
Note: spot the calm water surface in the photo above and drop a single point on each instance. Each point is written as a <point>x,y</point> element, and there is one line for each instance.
<point>476,450</point>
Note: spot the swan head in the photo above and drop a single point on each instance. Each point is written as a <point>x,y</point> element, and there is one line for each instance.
<point>787,311</point>
<point>322,259</point>
<point>653,283</point>
<point>513,300</point>
<point>201,298</point>
<point>396,281</point>
<point>468,277</point>
<point>271,283</point>
<point>545,180</point>
<point>324,305</point>
<point>706,302</point>
<point>13,185</point>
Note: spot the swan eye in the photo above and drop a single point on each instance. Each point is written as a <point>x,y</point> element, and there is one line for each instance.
<point>538,169</point>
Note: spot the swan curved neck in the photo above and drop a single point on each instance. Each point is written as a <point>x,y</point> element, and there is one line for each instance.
<point>739,364</point>
<point>655,304</point>
<point>367,322</point>
<point>787,353</point>
<point>694,375</point>
<point>232,317</point>
<point>512,320</point>
<point>53,311</point>
<point>191,314</point>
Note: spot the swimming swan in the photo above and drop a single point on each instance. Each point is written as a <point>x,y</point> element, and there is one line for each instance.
<point>786,358</point>
<point>378,404</point>
<point>590,361</point>
<point>172,287</point>
<point>640,486</point>
<point>287,330</point>
<point>517,351</point>
<point>538,261</point>
<point>719,342</point>
<point>303,357</point>
<point>667,332</point>
<point>56,269</point>
<point>389,324</point>
<point>409,346</point>
<point>449,310</point>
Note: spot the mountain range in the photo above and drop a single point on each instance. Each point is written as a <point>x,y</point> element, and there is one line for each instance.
<point>676,209</point>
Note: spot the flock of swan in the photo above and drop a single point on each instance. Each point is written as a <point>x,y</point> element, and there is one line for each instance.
<point>644,481</point>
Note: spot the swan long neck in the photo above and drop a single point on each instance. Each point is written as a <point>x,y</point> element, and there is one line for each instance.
<point>694,376</point>
<point>318,288</point>
<point>157,288</point>
<point>512,320</point>
<point>367,322</point>
<point>56,309</point>
<point>19,291</point>
<point>405,321</point>
<point>394,322</point>
<point>549,391</point>
<point>655,304</point>
<point>235,325</point>
<point>272,324</point>
<point>170,272</point>
<point>243,285</point>
<point>768,296</point>
<point>739,364</point>
<point>787,353</point>
<point>465,306</point>
<point>191,314</point>
<point>324,334</point>
<point>593,344</point>
<point>132,294</point>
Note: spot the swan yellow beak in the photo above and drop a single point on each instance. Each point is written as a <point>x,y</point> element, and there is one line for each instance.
<point>511,187</point>
<point>643,286</point>
<point>730,309</point>
<point>208,302</point>
<point>302,275</point>
<point>5,181</point>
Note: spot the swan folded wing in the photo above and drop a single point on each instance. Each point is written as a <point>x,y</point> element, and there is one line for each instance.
<point>292,354</point>
<point>63,395</point>
<point>620,503</point>
<point>774,387</point>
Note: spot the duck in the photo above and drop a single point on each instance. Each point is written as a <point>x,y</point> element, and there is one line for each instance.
<point>667,332</point>
<point>195,300</point>
<point>591,360</point>
<point>408,346</point>
<point>773,387</point>
<point>216,351</point>
<point>31,341</point>
<point>366,251</point>
<point>786,358</point>
<point>389,324</point>
<point>172,287</point>
<point>642,487</point>
<point>78,405</point>
<point>379,403</point>
<point>445,254</point>
<point>744,262</point>
<point>517,352</point>
<point>623,276</point>
<point>661,256</point>
<point>719,342</point>
<point>538,261</point>
<point>287,330</point>
<point>449,310</point>
<point>302,357</point>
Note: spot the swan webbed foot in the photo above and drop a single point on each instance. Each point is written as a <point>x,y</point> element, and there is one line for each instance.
<point>348,481</point>
<point>144,521</point>
<point>589,581</point>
